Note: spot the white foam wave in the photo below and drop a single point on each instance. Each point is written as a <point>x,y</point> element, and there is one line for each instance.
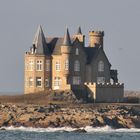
<point>31,129</point>
<point>89,129</point>
<point>108,129</point>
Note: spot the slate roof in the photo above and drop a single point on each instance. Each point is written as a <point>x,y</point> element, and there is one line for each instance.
<point>56,43</point>
<point>53,45</point>
<point>40,42</point>
<point>67,40</point>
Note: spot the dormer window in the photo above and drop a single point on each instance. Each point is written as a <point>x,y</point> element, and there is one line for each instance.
<point>77,51</point>
<point>101,66</point>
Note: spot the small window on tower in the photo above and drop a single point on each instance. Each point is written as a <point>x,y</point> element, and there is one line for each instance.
<point>67,64</point>
<point>77,51</point>
<point>57,65</point>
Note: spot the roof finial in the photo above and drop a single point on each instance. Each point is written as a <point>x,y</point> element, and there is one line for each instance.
<point>67,40</point>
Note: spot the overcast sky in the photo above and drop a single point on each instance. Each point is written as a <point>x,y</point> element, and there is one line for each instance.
<point>19,19</point>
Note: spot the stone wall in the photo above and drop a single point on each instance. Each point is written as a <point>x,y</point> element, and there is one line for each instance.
<point>105,92</point>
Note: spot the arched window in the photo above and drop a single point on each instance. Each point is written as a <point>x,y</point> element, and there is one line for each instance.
<point>101,66</point>
<point>77,51</point>
<point>76,65</point>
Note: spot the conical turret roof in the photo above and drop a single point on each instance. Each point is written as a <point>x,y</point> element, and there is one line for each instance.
<point>67,40</point>
<point>40,42</point>
<point>79,31</point>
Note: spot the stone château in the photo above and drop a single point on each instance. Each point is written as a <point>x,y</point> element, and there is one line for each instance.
<point>65,63</point>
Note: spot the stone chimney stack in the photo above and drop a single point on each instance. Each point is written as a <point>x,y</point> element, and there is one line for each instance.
<point>96,38</point>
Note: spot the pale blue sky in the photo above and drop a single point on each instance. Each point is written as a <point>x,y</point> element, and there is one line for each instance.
<point>120,19</point>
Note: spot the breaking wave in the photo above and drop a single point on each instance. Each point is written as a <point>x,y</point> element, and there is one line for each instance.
<point>89,129</point>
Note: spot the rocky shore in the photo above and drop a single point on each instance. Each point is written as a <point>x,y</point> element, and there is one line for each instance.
<point>75,116</point>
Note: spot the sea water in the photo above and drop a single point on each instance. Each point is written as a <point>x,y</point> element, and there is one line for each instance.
<point>66,133</point>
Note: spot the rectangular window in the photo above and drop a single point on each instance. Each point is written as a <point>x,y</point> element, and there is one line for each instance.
<point>76,80</point>
<point>38,81</point>
<point>27,66</point>
<point>57,65</point>
<point>31,65</point>
<point>100,79</point>
<point>47,65</point>
<point>30,82</point>
<point>57,81</point>
<point>39,65</point>
<point>47,83</point>
<point>67,65</point>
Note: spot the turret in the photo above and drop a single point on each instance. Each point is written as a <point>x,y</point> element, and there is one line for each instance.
<point>79,35</point>
<point>96,38</point>
<point>65,51</point>
<point>65,48</point>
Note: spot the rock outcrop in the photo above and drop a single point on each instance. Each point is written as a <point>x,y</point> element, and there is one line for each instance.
<point>76,116</point>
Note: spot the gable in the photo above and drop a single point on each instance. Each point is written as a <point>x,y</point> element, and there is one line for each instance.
<point>100,54</point>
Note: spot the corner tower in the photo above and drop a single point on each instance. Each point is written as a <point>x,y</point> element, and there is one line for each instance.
<point>66,51</point>
<point>37,65</point>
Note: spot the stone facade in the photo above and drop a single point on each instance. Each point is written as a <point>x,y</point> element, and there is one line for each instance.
<point>65,63</point>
